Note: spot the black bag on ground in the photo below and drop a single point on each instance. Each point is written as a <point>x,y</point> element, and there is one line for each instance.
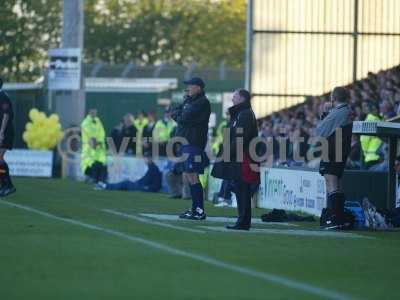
<point>276,215</point>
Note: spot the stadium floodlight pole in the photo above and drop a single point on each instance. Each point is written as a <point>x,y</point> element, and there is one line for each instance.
<point>249,44</point>
<point>70,105</point>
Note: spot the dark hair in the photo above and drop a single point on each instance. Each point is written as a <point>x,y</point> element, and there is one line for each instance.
<point>1,83</point>
<point>373,104</point>
<point>340,94</point>
<point>244,94</point>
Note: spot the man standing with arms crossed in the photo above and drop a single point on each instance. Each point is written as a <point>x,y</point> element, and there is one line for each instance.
<point>337,116</point>
<point>192,118</point>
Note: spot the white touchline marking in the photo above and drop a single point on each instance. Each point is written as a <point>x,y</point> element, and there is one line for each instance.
<point>268,277</point>
<point>295,232</point>
<point>147,221</point>
<point>164,217</point>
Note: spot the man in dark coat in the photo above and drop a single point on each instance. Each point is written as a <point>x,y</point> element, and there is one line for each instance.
<point>240,168</point>
<point>6,141</point>
<point>192,118</point>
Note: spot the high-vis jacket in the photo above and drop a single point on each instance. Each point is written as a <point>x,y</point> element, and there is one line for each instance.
<point>140,125</point>
<point>219,138</point>
<point>371,144</point>
<point>162,130</point>
<point>92,129</point>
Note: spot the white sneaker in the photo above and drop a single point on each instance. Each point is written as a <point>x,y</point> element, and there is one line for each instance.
<point>234,201</point>
<point>100,186</point>
<point>221,204</point>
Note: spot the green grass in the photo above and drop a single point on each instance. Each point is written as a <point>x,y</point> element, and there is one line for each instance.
<point>42,258</point>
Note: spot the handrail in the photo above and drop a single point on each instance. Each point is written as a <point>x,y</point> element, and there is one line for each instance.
<point>395,119</point>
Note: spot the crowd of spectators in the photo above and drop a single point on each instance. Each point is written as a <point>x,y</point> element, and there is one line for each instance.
<point>377,95</point>
<point>133,135</point>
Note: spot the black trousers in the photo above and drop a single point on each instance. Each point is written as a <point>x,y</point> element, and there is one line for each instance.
<point>226,190</point>
<point>243,198</point>
<point>97,171</point>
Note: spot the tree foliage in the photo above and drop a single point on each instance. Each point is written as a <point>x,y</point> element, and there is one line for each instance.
<point>176,31</point>
<point>118,31</point>
<point>28,28</point>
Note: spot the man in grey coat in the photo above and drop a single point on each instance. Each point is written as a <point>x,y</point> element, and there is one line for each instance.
<point>336,126</point>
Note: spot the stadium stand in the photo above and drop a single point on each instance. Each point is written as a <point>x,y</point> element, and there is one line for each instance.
<point>380,90</point>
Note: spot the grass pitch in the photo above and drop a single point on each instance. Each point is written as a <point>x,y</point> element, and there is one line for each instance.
<point>62,242</point>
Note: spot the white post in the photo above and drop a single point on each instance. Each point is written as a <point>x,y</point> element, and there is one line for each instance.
<point>70,105</point>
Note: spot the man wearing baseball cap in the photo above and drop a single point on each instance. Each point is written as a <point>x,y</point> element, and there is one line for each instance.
<point>192,118</point>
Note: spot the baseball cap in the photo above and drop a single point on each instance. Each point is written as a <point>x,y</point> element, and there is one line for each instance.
<point>195,81</point>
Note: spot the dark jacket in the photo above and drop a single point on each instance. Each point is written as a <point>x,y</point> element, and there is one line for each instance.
<point>148,134</point>
<point>130,133</point>
<point>242,119</point>
<point>192,118</point>
<point>152,180</point>
<point>116,135</point>
<point>6,108</point>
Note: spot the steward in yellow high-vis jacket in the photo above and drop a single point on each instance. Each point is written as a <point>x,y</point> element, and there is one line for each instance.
<point>219,137</point>
<point>140,122</point>
<point>371,144</point>
<point>93,156</point>
<point>162,132</point>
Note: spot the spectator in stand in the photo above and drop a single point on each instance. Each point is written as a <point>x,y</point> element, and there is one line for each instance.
<point>148,133</point>
<point>219,134</point>
<point>139,122</point>
<point>387,109</point>
<point>129,133</point>
<point>116,136</point>
<point>300,146</point>
<point>371,144</point>
<point>162,132</point>
<point>359,115</point>
<point>383,87</point>
<point>383,165</point>
<point>354,161</point>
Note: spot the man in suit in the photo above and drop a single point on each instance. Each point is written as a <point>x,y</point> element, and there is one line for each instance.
<point>240,168</point>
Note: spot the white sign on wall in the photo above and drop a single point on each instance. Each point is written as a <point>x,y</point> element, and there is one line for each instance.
<point>31,163</point>
<point>119,168</point>
<point>129,168</point>
<point>65,69</point>
<point>293,190</point>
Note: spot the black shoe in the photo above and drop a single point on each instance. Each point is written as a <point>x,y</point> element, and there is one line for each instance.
<point>198,215</point>
<point>4,192</point>
<point>330,221</point>
<point>238,227</point>
<point>186,215</point>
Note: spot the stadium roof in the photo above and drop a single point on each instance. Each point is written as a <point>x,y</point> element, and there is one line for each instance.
<point>22,86</point>
<point>116,85</point>
<point>137,85</point>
